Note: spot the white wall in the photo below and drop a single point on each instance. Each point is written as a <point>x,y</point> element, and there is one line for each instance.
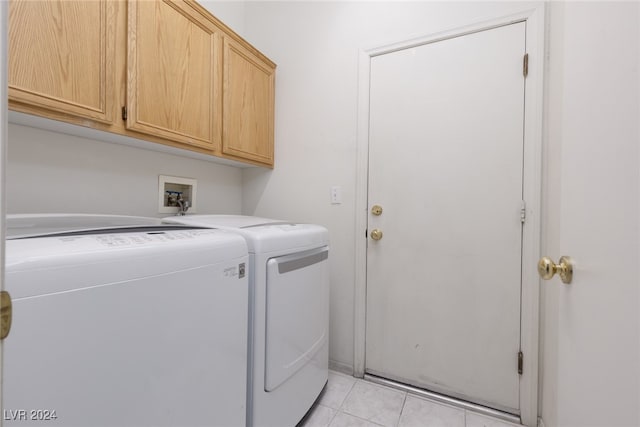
<point>230,12</point>
<point>55,172</point>
<point>316,46</point>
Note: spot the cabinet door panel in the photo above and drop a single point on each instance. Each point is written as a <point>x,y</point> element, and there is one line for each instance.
<point>61,56</point>
<point>248,104</point>
<point>173,88</point>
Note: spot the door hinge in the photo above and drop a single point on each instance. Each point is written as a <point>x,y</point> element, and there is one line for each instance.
<point>525,65</point>
<point>523,212</point>
<point>520,361</point>
<point>124,113</point>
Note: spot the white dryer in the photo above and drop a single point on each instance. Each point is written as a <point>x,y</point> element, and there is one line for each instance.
<point>289,287</point>
<point>144,325</point>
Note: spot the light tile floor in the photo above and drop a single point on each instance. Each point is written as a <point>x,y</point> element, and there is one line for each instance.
<point>351,402</point>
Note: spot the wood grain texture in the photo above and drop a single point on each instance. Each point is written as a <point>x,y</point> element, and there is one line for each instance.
<point>61,56</point>
<point>163,60</point>
<point>174,81</point>
<point>248,115</point>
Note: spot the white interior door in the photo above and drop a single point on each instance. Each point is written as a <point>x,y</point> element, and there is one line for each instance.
<point>591,371</point>
<point>446,166</point>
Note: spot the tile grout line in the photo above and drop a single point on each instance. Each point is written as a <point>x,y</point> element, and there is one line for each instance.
<point>404,401</point>
<point>352,386</point>
<point>353,382</point>
<point>333,417</point>
<point>415,392</point>
<point>363,419</point>
<point>370,384</point>
<point>346,396</point>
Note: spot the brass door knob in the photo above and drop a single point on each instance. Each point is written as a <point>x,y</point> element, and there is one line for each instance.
<point>376,234</point>
<point>547,269</point>
<point>6,314</point>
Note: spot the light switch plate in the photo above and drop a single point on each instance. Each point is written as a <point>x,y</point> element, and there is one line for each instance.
<point>336,195</point>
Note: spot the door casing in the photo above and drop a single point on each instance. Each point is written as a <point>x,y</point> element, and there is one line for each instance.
<point>532,179</point>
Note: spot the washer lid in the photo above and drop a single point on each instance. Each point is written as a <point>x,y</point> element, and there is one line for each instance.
<point>225,221</point>
<point>262,234</point>
<point>31,225</point>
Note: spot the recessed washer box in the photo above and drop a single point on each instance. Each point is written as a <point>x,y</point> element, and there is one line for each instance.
<point>168,185</point>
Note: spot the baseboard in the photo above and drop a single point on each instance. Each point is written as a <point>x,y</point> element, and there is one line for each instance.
<point>341,367</point>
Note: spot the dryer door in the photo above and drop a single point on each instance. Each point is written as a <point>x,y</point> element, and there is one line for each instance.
<point>297,314</point>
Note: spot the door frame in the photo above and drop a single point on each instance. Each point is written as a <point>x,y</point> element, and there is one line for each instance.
<point>532,184</point>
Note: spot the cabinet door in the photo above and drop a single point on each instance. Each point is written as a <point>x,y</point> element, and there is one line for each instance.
<point>61,56</point>
<point>248,104</point>
<point>174,79</point>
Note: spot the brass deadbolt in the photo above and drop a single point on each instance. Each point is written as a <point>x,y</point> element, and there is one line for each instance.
<point>376,210</point>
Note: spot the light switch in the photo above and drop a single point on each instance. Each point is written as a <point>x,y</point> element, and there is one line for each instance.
<point>336,195</point>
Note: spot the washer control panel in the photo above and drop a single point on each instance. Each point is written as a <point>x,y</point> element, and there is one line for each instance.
<point>151,237</point>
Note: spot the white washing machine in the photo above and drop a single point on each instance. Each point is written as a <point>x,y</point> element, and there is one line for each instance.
<point>144,325</point>
<point>289,287</point>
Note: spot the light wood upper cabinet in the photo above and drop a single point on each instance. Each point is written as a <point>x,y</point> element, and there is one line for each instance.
<point>165,71</point>
<point>61,56</point>
<point>248,104</point>
<point>174,78</point>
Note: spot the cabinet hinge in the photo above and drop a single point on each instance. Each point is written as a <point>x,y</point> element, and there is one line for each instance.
<point>525,65</point>
<point>124,113</point>
<point>520,361</point>
<point>523,212</point>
